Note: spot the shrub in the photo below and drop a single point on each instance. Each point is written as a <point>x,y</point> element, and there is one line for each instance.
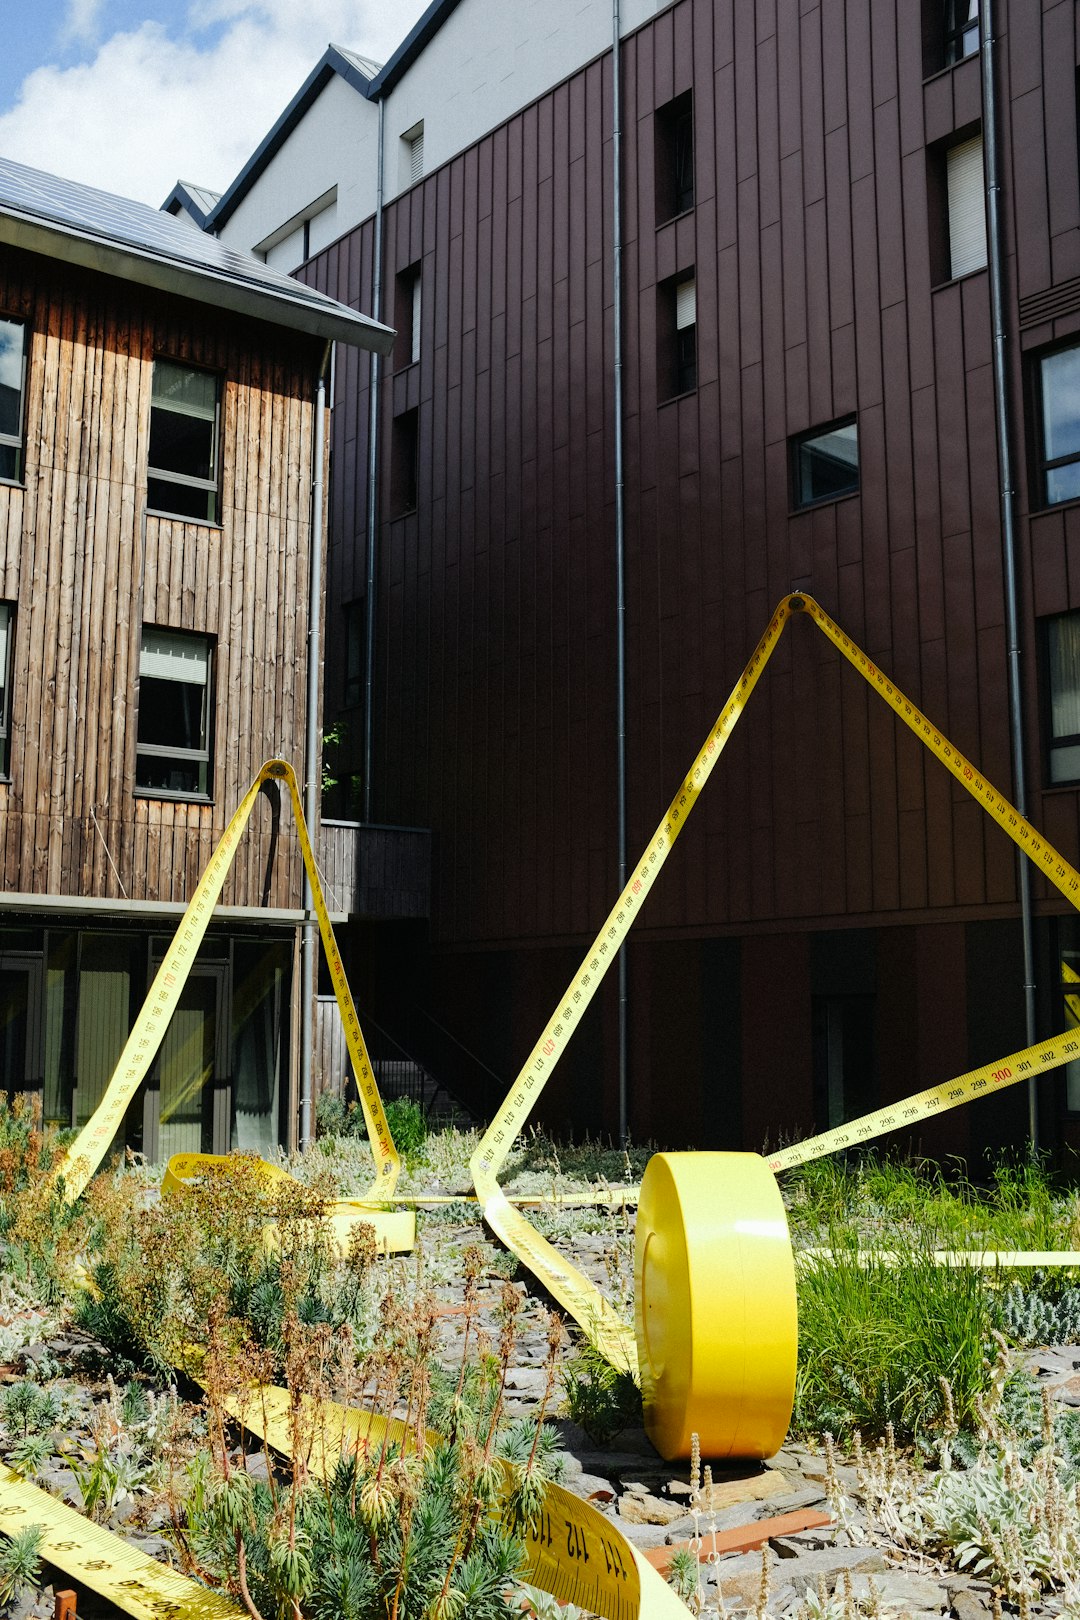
<point>41,1233</point>
<point>876,1341</point>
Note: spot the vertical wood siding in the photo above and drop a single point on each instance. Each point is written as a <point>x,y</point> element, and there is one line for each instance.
<point>85,568</point>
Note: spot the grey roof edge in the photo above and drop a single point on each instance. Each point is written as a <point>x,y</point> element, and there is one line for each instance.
<point>183,195</point>
<point>328,320</point>
<point>332,61</point>
<point>422,32</point>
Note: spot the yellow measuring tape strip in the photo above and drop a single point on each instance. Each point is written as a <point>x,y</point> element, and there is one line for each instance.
<point>584,1302</point>
<point>395,1229</point>
<point>573,1551</point>
<point>580,1298</point>
<point>94,1140</point>
<point>130,1579</point>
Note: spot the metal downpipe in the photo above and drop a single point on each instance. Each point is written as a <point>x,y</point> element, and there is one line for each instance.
<point>375,375</point>
<point>620,549</point>
<point>996,266</point>
<point>312,727</point>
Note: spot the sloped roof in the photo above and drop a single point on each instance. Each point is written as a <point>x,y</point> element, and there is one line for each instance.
<point>365,76</point>
<point>82,225</point>
<point>194,200</point>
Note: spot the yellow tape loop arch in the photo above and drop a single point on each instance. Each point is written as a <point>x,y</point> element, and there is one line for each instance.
<point>395,1231</point>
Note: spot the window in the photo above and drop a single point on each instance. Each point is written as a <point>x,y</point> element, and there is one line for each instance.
<point>12,397</point>
<point>404,457</point>
<point>412,155</point>
<point>407,317</point>
<point>173,752</point>
<point>7,626</point>
<point>676,327</point>
<point>1057,388</point>
<point>1062,697</point>
<point>674,155</point>
<point>825,463</point>
<point>961,30</point>
<point>355,643</point>
<point>965,191</point>
<point>182,476</point>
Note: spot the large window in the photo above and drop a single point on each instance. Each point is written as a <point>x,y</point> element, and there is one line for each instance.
<point>182,476</point>
<point>12,397</point>
<point>674,156</point>
<point>1057,400</point>
<point>1062,703</point>
<point>173,753</point>
<point>7,617</point>
<point>825,464</point>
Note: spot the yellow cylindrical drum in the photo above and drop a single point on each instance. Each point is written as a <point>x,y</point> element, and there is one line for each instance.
<point>717,1324</point>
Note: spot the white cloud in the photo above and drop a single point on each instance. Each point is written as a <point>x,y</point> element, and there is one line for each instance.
<point>81,23</point>
<point>151,108</point>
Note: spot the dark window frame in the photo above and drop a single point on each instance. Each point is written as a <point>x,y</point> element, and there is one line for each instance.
<point>1052,741</point>
<point>799,501</point>
<point>17,441</point>
<point>355,647</point>
<point>676,346</point>
<point>954,30</point>
<point>408,315</point>
<point>8,613</point>
<point>674,158</point>
<point>202,758</point>
<point>1041,465</point>
<point>158,476</point>
<point>405,463</point>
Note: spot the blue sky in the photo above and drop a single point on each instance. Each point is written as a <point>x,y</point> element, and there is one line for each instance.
<point>132,95</point>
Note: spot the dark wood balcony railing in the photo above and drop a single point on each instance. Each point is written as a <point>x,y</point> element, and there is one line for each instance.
<point>376,872</point>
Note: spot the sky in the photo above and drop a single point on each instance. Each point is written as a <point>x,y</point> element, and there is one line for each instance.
<point>133,95</point>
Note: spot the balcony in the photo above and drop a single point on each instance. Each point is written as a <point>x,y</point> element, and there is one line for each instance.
<point>380,873</point>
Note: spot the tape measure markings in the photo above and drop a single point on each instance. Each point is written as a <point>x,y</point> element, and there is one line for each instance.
<point>999,1075</point>
<point>131,1579</point>
<point>93,1141</point>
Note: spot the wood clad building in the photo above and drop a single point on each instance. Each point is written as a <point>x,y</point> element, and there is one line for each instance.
<point>157,438</point>
<point>808,404</point>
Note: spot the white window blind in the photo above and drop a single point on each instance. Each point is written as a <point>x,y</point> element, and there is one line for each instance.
<point>4,613</point>
<point>416,155</point>
<point>685,305</point>
<point>169,656</point>
<point>967,206</point>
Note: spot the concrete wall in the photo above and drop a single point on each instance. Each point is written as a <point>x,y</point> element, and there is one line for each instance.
<point>473,75</point>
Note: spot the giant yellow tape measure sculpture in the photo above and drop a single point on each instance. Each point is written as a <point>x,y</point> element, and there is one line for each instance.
<point>715,1320</point>
<point>716,1325</point>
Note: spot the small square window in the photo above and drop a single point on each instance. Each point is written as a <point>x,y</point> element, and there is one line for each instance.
<point>1062,697</point>
<point>7,637</point>
<point>1057,401</point>
<point>674,156</point>
<point>825,463</point>
<point>12,397</point>
<point>173,750</point>
<point>182,472</point>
